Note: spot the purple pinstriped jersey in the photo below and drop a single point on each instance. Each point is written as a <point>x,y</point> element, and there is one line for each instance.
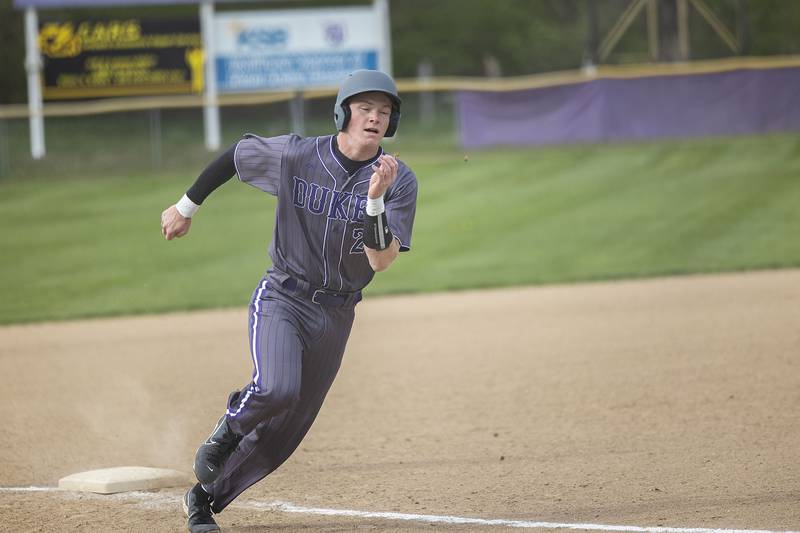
<point>320,213</point>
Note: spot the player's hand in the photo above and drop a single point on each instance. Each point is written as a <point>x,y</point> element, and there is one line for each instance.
<point>385,172</point>
<point>173,224</point>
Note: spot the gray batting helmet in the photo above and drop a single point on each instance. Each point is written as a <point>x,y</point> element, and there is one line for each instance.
<point>362,81</point>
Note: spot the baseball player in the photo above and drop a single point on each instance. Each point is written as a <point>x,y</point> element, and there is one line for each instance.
<point>345,210</point>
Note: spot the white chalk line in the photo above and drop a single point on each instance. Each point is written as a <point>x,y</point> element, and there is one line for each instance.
<point>27,489</point>
<point>167,500</point>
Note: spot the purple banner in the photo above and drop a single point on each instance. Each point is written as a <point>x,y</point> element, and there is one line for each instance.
<point>688,105</point>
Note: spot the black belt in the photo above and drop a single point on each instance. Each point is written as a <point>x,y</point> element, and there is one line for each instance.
<point>325,297</point>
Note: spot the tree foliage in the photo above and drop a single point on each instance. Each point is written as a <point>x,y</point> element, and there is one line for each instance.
<point>12,54</point>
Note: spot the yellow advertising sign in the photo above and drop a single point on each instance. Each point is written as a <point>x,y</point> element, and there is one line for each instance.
<point>98,58</point>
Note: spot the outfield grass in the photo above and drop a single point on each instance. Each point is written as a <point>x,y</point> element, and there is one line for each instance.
<point>77,247</point>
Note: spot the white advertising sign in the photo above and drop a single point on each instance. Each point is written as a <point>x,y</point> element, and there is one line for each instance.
<point>295,49</point>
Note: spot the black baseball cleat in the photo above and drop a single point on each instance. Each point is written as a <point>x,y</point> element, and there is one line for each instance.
<point>197,508</point>
<point>212,454</point>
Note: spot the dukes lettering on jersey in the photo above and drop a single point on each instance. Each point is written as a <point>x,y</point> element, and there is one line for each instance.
<point>318,232</point>
<point>325,205</point>
<point>319,200</point>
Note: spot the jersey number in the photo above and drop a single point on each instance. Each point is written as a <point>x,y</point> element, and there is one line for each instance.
<point>358,245</point>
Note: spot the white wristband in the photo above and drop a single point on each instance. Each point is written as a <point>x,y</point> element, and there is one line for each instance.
<point>186,207</point>
<point>375,206</point>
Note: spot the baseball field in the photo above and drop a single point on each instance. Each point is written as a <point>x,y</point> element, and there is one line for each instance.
<point>592,338</point>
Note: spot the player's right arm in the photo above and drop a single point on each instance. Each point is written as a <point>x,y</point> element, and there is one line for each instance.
<point>177,218</point>
<point>258,161</point>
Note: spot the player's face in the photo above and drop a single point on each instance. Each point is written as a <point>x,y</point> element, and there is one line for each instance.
<point>369,117</point>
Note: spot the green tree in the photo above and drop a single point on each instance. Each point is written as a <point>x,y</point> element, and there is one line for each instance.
<point>12,54</point>
<point>458,37</point>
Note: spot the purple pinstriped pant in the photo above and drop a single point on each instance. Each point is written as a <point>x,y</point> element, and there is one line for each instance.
<point>297,348</point>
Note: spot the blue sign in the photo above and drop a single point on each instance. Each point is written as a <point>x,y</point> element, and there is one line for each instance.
<point>298,70</point>
<point>296,48</point>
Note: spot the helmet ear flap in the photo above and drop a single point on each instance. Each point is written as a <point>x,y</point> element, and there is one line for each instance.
<point>394,119</point>
<point>342,116</point>
<point>346,111</point>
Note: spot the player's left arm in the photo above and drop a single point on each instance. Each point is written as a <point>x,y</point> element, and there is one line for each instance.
<point>380,260</point>
<point>380,245</point>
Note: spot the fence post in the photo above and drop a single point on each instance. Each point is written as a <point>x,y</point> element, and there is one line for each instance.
<point>155,137</point>
<point>5,152</point>
<point>297,108</point>
<point>682,7</point>
<point>210,104</point>
<point>32,65</point>
<point>652,30</point>
<point>427,105</point>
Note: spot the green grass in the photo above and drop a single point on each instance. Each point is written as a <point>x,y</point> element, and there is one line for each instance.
<point>91,246</point>
<point>586,213</point>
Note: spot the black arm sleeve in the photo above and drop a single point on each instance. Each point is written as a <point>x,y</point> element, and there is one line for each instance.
<point>215,174</point>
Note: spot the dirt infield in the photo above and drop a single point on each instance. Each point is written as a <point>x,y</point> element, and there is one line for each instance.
<point>671,402</point>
